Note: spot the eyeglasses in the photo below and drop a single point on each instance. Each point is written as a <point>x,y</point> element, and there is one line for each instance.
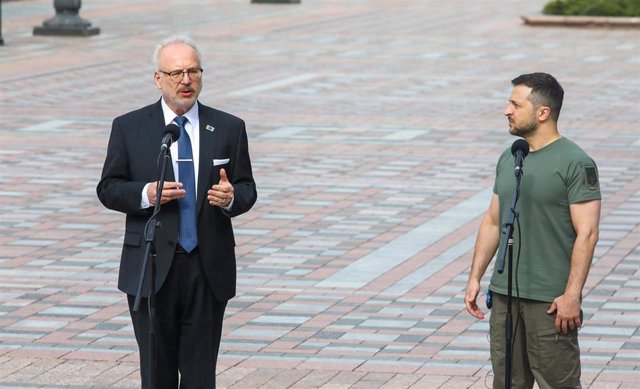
<point>177,75</point>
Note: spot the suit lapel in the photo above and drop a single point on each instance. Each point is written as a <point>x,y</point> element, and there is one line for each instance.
<point>207,152</point>
<point>156,128</point>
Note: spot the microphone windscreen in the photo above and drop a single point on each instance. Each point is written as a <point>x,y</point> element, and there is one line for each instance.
<point>172,130</point>
<point>520,145</point>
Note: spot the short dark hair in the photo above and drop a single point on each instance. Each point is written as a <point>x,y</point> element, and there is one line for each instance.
<point>545,90</point>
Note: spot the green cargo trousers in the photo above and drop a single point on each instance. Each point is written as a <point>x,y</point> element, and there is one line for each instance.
<point>539,353</point>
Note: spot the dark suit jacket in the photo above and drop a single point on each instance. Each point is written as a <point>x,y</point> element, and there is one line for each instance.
<point>132,161</point>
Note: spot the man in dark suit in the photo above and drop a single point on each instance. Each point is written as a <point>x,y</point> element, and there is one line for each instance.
<point>208,182</point>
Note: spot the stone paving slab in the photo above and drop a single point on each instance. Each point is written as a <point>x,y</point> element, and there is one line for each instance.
<point>374,130</point>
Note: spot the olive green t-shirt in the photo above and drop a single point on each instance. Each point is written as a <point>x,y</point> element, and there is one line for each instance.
<point>554,177</point>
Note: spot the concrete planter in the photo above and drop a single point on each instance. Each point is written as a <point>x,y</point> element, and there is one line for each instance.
<point>582,21</point>
<point>275,1</point>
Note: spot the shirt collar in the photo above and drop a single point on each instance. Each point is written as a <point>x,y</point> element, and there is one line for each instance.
<point>169,115</point>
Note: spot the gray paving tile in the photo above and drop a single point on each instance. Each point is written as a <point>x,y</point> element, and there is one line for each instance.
<point>377,263</point>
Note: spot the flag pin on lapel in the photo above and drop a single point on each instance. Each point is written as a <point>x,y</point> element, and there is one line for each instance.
<point>210,128</point>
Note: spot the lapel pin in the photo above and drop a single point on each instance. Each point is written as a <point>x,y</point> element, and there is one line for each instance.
<point>210,128</point>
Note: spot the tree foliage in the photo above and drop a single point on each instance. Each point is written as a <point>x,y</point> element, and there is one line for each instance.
<point>593,7</point>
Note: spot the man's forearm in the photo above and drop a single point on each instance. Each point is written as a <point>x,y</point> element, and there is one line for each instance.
<point>485,249</point>
<point>581,259</point>
<point>586,219</point>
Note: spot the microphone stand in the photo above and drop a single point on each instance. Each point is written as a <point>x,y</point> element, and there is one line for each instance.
<point>507,248</point>
<point>150,229</point>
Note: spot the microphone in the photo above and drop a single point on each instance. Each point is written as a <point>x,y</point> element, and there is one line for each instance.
<point>171,134</point>
<point>519,150</point>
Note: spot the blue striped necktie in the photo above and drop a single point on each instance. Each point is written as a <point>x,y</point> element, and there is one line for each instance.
<point>188,238</point>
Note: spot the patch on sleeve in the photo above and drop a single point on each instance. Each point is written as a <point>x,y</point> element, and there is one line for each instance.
<point>591,177</point>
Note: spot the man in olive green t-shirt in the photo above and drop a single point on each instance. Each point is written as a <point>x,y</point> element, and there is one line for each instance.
<point>555,235</point>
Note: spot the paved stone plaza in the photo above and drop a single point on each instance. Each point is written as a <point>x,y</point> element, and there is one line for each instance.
<point>374,127</point>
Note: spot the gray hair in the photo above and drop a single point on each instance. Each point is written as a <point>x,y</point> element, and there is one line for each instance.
<point>176,38</point>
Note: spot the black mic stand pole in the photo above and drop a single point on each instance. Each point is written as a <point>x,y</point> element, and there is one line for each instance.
<point>150,229</point>
<point>507,246</point>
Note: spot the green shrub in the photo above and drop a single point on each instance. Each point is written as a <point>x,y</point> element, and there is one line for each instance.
<point>593,7</point>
